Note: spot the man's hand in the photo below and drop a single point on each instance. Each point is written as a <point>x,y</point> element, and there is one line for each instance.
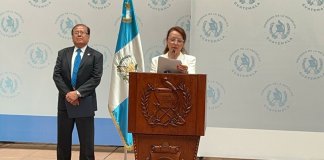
<point>72,97</point>
<point>76,102</point>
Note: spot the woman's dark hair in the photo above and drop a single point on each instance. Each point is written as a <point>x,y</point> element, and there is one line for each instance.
<point>183,34</point>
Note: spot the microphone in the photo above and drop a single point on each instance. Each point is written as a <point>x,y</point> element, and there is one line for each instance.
<point>172,51</point>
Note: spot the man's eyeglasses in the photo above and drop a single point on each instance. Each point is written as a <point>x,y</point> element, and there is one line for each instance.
<point>76,33</point>
<point>175,40</point>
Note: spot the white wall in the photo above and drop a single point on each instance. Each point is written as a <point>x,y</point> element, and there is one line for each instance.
<point>264,61</point>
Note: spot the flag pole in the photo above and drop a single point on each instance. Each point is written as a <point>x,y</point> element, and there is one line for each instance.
<point>125,153</point>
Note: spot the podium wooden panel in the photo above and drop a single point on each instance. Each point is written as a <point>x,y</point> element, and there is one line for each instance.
<point>166,115</point>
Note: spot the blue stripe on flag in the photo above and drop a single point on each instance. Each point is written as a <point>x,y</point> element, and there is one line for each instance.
<point>121,115</point>
<point>127,31</point>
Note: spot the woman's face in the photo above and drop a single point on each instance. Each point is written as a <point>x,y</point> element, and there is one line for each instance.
<point>175,42</point>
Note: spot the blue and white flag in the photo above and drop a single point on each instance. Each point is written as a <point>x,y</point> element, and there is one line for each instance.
<point>128,58</point>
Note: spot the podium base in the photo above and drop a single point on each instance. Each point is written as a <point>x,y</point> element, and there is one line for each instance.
<point>165,147</point>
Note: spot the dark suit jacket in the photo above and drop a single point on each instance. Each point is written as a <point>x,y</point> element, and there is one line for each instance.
<point>89,76</point>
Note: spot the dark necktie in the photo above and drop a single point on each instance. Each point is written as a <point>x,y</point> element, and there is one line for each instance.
<point>77,61</point>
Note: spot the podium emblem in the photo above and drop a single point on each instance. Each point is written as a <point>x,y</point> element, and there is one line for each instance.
<point>166,106</point>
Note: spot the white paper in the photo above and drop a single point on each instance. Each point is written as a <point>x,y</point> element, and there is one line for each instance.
<point>166,65</point>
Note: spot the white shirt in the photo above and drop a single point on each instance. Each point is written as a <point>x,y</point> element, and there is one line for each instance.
<point>185,59</point>
<point>73,58</point>
<point>75,54</point>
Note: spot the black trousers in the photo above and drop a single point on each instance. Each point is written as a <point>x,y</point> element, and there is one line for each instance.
<point>85,128</point>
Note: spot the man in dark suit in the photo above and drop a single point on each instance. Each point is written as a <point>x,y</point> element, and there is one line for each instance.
<point>77,73</point>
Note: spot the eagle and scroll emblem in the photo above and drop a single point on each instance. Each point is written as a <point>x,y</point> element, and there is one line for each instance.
<point>166,106</point>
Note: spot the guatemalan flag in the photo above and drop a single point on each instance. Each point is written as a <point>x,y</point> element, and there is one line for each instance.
<point>128,58</point>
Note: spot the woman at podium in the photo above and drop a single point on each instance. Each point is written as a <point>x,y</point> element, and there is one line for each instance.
<point>175,58</point>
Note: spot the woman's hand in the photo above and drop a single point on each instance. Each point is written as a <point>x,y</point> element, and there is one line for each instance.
<point>182,68</point>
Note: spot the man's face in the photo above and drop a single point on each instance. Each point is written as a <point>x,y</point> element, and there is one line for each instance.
<point>80,36</point>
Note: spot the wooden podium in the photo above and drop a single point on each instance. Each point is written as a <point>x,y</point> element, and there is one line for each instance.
<point>166,115</point>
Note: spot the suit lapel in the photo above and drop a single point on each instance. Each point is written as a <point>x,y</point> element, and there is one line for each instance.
<point>85,57</point>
